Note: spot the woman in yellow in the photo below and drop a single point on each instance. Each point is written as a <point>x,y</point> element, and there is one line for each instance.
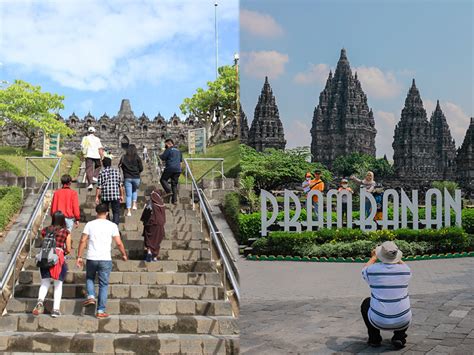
<point>316,184</point>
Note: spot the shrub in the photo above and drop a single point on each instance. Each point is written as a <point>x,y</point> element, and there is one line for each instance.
<point>10,203</point>
<point>231,209</point>
<point>468,220</point>
<point>249,227</point>
<point>8,167</point>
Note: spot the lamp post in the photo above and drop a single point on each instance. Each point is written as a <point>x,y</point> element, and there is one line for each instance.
<point>237,93</point>
<point>216,39</point>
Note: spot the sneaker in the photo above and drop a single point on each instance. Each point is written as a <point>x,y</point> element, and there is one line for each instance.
<point>102,315</point>
<point>129,214</point>
<point>156,258</point>
<point>39,309</point>
<point>89,302</point>
<point>149,257</point>
<point>55,313</point>
<point>90,187</point>
<point>398,344</point>
<point>94,179</point>
<point>134,207</point>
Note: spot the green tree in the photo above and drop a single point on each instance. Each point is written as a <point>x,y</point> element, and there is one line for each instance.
<point>275,168</point>
<point>31,111</point>
<point>359,164</point>
<point>451,186</point>
<point>214,107</point>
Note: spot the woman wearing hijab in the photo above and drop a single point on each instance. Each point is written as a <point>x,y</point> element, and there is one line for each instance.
<point>154,219</point>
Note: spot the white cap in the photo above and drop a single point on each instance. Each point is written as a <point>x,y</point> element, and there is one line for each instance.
<point>91,130</point>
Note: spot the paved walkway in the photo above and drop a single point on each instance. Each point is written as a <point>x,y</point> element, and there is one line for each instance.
<point>314,308</point>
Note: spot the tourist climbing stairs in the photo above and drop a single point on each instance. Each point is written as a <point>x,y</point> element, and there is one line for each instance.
<point>177,305</point>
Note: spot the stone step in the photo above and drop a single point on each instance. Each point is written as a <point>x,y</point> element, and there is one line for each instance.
<point>179,255</point>
<point>140,265</point>
<point>193,292</point>
<point>128,306</point>
<point>133,278</point>
<point>108,343</point>
<point>174,236</point>
<point>183,324</point>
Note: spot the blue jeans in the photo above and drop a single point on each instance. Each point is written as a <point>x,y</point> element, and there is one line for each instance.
<point>315,208</point>
<point>131,190</point>
<point>69,223</point>
<point>102,268</point>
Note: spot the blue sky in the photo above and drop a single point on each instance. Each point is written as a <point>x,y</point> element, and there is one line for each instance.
<point>297,42</point>
<point>96,52</point>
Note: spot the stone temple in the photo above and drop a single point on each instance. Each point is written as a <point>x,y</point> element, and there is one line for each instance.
<point>266,130</point>
<point>465,162</point>
<point>244,127</point>
<point>424,150</point>
<point>125,128</point>
<point>342,123</point>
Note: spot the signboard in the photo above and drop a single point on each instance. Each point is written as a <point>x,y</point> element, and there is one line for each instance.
<point>401,206</point>
<point>51,145</point>
<point>197,141</point>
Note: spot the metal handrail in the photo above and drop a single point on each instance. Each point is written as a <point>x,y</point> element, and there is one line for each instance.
<point>221,172</point>
<point>27,231</point>
<point>229,266</point>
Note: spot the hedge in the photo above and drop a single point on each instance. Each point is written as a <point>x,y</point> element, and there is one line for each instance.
<point>11,199</point>
<point>5,166</point>
<point>231,209</point>
<point>354,243</point>
<point>250,224</point>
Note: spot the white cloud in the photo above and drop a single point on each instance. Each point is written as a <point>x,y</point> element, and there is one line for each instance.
<point>264,63</point>
<point>457,119</point>
<point>95,45</point>
<point>377,83</point>
<point>259,24</point>
<point>385,124</point>
<point>86,105</point>
<point>316,73</point>
<point>298,134</point>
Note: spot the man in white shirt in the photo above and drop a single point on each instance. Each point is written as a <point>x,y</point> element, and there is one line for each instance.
<point>145,154</point>
<point>98,234</point>
<point>91,149</point>
<point>388,308</point>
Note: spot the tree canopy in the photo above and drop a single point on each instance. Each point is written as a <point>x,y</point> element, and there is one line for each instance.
<point>359,164</point>
<point>275,168</point>
<point>31,111</point>
<point>216,106</point>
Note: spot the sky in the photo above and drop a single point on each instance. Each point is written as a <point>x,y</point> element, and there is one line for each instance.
<point>98,52</point>
<point>388,43</point>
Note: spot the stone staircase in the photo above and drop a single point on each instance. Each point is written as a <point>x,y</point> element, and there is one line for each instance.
<point>176,305</point>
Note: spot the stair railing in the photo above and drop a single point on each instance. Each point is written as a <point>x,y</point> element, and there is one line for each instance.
<point>229,268</point>
<point>211,170</point>
<point>28,234</point>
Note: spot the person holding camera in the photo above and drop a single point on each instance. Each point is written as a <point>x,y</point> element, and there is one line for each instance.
<point>173,159</point>
<point>388,308</point>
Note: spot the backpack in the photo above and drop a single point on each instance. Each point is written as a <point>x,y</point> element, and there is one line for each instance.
<point>47,256</point>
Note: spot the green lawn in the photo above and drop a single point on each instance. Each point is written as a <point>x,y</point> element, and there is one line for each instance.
<point>16,157</point>
<point>228,150</point>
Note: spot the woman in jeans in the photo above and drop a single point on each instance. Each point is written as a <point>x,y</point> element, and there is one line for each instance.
<point>58,271</point>
<point>132,166</point>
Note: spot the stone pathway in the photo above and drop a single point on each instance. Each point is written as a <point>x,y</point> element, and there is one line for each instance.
<point>314,308</point>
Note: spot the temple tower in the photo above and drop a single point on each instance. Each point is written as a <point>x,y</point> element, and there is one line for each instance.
<point>414,143</point>
<point>465,161</point>
<point>445,147</point>
<point>342,121</point>
<point>266,130</point>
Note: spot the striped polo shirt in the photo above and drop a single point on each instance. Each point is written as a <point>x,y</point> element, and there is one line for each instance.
<point>389,301</point>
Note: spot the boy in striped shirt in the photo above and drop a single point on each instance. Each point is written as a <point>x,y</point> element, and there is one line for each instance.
<point>388,308</point>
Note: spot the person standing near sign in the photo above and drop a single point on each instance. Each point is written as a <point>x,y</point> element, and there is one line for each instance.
<point>172,158</point>
<point>90,146</point>
<point>316,184</point>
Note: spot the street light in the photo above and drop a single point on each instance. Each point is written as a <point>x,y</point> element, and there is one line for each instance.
<point>237,89</point>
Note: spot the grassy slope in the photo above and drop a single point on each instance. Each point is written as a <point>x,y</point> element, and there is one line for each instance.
<point>16,156</point>
<point>228,150</point>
